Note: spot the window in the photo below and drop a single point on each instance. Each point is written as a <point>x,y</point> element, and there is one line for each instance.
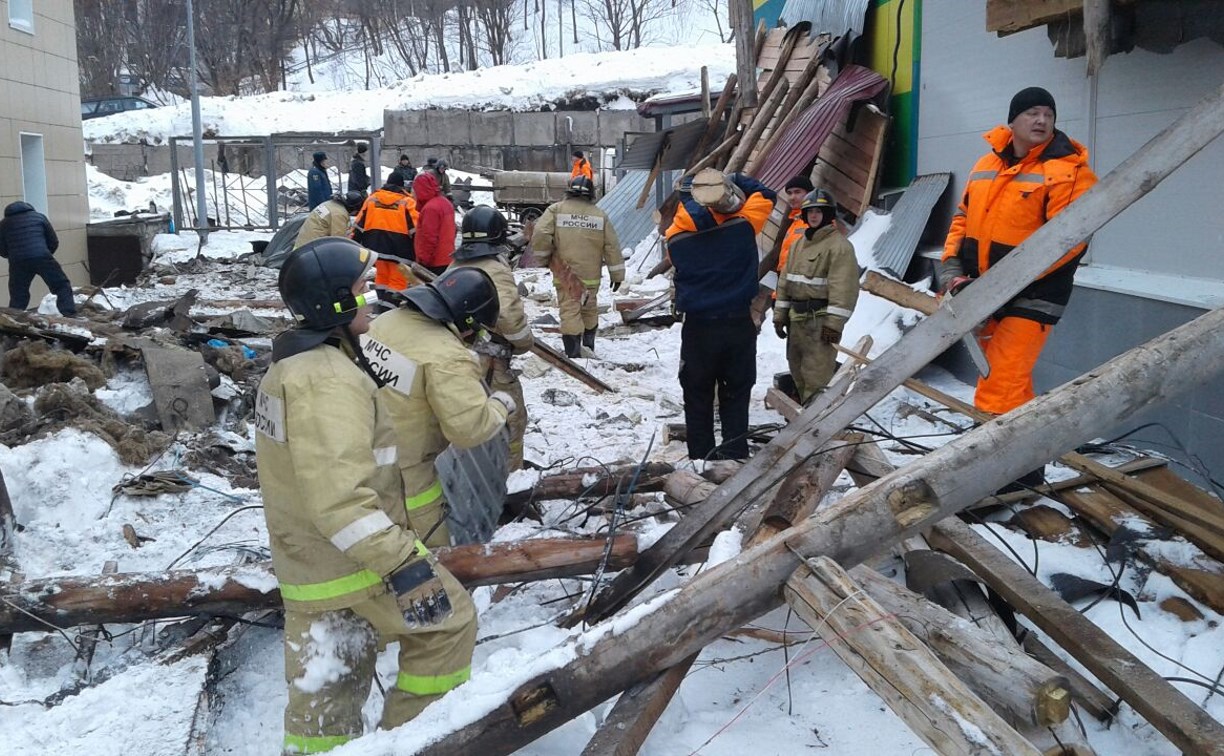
<point>33,171</point>
<point>21,15</point>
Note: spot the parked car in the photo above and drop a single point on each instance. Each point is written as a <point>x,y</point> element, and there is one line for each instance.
<point>96,107</point>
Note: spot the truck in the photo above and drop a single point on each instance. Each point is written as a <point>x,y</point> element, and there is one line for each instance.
<point>527,193</point>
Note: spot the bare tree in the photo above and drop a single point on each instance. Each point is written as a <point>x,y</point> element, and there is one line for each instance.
<point>494,16</point>
<point>623,24</point>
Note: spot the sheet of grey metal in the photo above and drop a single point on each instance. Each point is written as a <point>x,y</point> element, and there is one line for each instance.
<point>832,16</point>
<point>801,142</point>
<point>909,217</point>
<point>474,483</point>
<point>631,223</point>
<point>641,148</point>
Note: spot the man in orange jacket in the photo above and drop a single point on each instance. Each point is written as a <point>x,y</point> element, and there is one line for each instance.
<point>795,190</point>
<point>1032,173</point>
<point>386,224</point>
<point>582,167</point>
<point>712,246</point>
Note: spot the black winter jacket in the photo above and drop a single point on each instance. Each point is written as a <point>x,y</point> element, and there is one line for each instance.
<point>26,234</point>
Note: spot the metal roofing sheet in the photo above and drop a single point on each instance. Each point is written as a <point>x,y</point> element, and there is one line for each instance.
<point>640,152</point>
<point>633,224</point>
<point>895,247</point>
<point>832,16</point>
<point>796,149</point>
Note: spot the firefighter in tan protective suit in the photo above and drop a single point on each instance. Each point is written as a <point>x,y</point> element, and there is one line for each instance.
<point>817,290</point>
<point>432,385</point>
<point>332,218</point>
<point>581,236</point>
<point>353,574</point>
<point>483,233</point>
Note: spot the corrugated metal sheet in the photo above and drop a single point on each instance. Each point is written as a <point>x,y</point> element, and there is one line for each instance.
<point>895,248</point>
<point>801,142</point>
<point>832,16</point>
<point>641,150</point>
<point>631,223</point>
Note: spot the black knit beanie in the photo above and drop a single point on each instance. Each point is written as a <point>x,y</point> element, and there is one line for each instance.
<point>362,148</point>
<point>1028,98</point>
<point>799,182</point>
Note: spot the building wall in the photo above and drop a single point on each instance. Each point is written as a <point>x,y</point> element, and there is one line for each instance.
<point>1156,265</point>
<point>40,94</point>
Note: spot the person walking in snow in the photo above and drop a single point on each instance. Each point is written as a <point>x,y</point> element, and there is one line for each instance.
<point>318,185</point>
<point>435,236</point>
<point>576,239</point>
<point>28,242</point>
<point>432,386</point>
<point>359,176</point>
<point>386,224</point>
<point>332,218</point>
<point>817,290</point>
<point>354,575</point>
<point>711,243</point>
<point>483,233</point>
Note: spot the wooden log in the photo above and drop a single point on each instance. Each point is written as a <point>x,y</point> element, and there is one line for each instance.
<point>759,122</point>
<point>636,711</point>
<point>802,490</point>
<point>825,417</point>
<point>916,685</point>
<point>1023,690</point>
<point>687,487</point>
<point>135,597</point>
<point>593,481</point>
<point>1181,720</point>
<point>863,523</point>
<point>1084,692</point>
<point>745,50</point>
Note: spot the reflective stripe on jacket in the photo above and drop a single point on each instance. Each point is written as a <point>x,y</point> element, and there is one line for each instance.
<point>434,395</point>
<point>581,234</point>
<point>821,268</point>
<point>384,222</point>
<point>1004,202</point>
<point>332,496</point>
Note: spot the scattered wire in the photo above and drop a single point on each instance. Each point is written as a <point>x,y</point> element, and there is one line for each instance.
<point>54,627</point>
<point>213,530</point>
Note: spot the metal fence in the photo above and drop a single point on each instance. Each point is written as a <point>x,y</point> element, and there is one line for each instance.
<point>256,182</point>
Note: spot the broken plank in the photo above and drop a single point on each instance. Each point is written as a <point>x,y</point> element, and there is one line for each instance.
<point>894,663</point>
<point>1181,720</point>
<point>593,481</point>
<point>135,597</point>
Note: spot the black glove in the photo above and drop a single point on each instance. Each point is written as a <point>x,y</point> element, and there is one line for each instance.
<point>616,285</point>
<point>829,335</point>
<point>780,329</point>
<point>420,594</point>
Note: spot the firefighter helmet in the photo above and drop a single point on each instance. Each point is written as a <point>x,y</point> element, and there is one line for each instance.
<point>463,296</point>
<point>316,283</point>
<point>352,200</point>
<point>821,198</point>
<point>580,186</point>
<point>483,231</point>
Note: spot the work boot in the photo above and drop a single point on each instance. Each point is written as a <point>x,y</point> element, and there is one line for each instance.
<point>588,339</point>
<point>573,345</point>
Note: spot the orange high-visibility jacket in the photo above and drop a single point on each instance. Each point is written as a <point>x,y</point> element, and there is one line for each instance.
<point>384,223</point>
<point>1005,201</point>
<point>582,167</point>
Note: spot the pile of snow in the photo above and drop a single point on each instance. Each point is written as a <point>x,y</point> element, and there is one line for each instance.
<point>605,77</point>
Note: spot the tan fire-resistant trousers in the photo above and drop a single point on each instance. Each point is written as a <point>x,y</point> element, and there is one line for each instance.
<point>577,316</point>
<point>329,666</point>
<point>812,361</point>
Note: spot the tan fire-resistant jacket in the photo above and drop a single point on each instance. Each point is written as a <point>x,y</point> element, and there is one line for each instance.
<point>820,278</point>
<point>332,498</point>
<point>582,235</point>
<point>512,321</point>
<point>328,219</point>
<point>434,394</point>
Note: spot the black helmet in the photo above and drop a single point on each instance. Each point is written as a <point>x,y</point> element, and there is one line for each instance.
<point>580,186</point>
<point>463,296</point>
<point>316,284</point>
<point>352,201</point>
<point>818,198</point>
<point>483,230</point>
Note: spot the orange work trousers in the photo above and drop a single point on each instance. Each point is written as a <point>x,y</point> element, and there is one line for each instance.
<point>388,275</point>
<point>1012,346</point>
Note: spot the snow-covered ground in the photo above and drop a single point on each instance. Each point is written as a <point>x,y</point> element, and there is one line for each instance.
<point>742,696</point>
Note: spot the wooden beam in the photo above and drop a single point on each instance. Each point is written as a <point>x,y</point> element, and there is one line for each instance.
<point>863,523</point>
<point>902,671</point>
<point>825,417</point>
<point>593,481</point>
<point>1010,16</point>
<point>135,597</point>
<point>636,711</point>
<point>1181,720</point>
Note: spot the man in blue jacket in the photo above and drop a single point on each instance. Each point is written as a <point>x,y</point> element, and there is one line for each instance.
<point>317,182</point>
<point>28,242</point>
